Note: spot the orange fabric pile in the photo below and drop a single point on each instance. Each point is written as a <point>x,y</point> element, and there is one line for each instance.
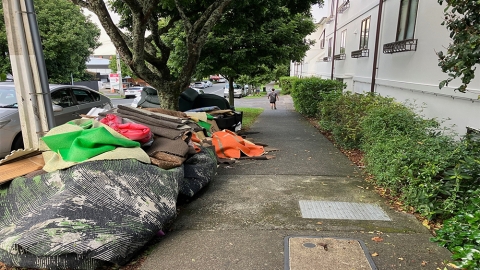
<point>230,145</point>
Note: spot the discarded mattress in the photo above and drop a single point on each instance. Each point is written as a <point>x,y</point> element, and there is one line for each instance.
<point>93,212</point>
<point>198,171</point>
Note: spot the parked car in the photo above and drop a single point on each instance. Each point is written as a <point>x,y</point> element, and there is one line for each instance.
<point>134,91</point>
<point>208,83</point>
<point>238,91</point>
<point>221,80</point>
<point>200,85</point>
<point>69,101</point>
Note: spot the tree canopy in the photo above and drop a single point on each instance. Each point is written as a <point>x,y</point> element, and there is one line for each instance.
<point>139,37</point>
<point>462,19</point>
<point>151,34</point>
<point>68,39</point>
<point>256,39</point>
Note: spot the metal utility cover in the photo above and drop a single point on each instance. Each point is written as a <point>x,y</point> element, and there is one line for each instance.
<point>304,252</point>
<point>341,210</point>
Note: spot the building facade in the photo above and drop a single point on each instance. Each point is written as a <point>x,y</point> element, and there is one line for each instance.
<point>389,47</point>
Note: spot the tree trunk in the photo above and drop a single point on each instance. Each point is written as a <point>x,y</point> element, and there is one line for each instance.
<point>168,95</point>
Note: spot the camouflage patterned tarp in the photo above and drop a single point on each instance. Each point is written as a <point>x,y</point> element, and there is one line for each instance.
<point>87,214</point>
<point>198,171</point>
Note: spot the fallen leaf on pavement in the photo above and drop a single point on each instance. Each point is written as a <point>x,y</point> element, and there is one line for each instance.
<point>453,265</point>
<point>425,223</point>
<point>374,254</point>
<point>377,239</point>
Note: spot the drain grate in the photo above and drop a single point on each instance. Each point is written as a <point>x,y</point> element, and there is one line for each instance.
<point>342,210</point>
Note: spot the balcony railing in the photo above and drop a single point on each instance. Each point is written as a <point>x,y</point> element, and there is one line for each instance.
<point>341,56</point>
<point>400,46</point>
<point>326,59</point>
<point>344,6</point>
<point>330,19</point>
<point>360,53</point>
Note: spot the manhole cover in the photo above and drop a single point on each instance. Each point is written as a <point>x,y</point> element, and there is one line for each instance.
<point>304,252</point>
<point>341,210</point>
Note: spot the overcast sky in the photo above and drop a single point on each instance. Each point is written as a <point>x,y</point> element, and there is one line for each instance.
<point>318,12</point>
<point>107,47</point>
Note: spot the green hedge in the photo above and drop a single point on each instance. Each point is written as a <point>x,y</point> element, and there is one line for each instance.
<point>414,158</point>
<point>286,83</point>
<point>307,93</point>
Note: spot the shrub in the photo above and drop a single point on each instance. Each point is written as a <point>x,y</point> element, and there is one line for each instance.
<point>341,114</point>
<point>407,154</point>
<point>307,93</point>
<point>461,234</point>
<point>420,163</point>
<point>286,83</point>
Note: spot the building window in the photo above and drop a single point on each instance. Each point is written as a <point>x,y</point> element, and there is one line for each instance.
<point>365,29</point>
<point>343,41</point>
<point>406,19</point>
<point>330,41</point>
<point>322,40</point>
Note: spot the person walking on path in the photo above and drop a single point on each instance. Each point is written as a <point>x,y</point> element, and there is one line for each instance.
<point>273,97</point>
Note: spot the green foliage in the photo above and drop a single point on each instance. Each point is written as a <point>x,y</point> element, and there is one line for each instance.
<point>68,39</point>
<point>414,158</point>
<point>257,38</point>
<point>341,114</point>
<point>307,93</point>
<point>126,71</point>
<point>462,19</point>
<point>461,233</point>
<point>286,83</point>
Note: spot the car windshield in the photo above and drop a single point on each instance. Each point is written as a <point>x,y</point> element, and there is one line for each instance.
<point>8,97</point>
<point>135,88</point>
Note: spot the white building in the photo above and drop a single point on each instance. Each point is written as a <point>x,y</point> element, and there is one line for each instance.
<point>397,56</point>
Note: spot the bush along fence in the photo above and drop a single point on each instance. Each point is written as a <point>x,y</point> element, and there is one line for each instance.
<point>427,167</point>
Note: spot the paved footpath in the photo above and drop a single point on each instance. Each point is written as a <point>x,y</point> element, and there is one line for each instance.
<point>308,208</point>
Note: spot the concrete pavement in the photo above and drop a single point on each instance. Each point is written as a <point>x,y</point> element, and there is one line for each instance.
<point>251,210</point>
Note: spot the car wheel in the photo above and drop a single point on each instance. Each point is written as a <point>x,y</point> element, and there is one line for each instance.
<point>17,142</point>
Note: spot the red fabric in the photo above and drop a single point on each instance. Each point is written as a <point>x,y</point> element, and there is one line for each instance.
<point>133,131</point>
<point>230,145</point>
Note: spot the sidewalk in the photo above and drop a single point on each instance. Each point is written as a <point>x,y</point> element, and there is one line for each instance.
<point>252,214</point>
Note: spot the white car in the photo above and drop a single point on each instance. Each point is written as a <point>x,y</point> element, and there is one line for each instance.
<point>69,101</point>
<point>208,83</point>
<point>200,85</point>
<point>238,91</point>
<point>221,80</point>
<point>135,91</point>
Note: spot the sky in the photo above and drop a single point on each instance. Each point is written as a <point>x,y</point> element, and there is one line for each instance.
<point>318,12</point>
<point>107,47</point>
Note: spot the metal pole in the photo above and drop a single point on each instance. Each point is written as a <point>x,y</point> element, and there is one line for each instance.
<point>334,40</point>
<point>40,62</point>
<point>119,72</point>
<point>375,53</point>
